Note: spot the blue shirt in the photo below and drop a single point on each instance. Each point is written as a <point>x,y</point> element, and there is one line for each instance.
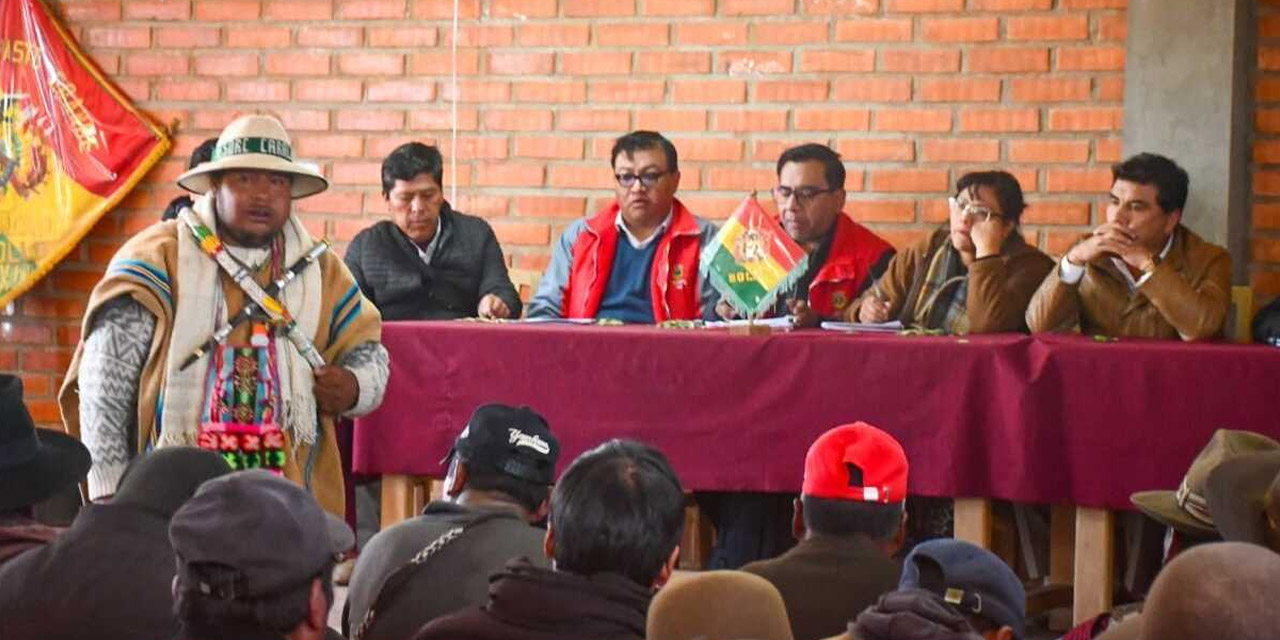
<point>626,296</point>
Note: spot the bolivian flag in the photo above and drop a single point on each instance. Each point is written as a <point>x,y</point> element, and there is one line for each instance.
<point>71,145</point>
<point>752,259</point>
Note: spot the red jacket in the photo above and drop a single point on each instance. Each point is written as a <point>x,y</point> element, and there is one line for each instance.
<point>854,250</point>
<point>673,283</point>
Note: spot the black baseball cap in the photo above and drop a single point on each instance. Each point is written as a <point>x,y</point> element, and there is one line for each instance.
<point>268,531</point>
<point>513,440</point>
<point>972,579</point>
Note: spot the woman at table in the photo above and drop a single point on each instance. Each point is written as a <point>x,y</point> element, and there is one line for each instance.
<point>974,275</point>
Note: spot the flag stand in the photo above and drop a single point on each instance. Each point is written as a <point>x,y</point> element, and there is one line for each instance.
<point>751,328</point>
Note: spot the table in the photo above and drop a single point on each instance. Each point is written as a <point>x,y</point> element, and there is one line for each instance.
<point>1040,419</point>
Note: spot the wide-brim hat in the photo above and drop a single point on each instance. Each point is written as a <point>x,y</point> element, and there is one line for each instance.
<point>34,463</point>
<point>1244,497</point>
<point>254,142</point>
<point>718,605</point>
<point>1187,508</point>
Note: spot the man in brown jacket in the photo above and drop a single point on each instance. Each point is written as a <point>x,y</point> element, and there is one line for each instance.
<point>1142,273</point>
<point>975,275</point>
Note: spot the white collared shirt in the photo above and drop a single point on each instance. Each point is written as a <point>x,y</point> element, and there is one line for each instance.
<point>636,243</point>
<point>430,251</point>
<point>1072,274</point>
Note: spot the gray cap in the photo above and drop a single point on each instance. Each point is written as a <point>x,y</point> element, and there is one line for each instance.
<point>268,532</point>
<point>972,579</point>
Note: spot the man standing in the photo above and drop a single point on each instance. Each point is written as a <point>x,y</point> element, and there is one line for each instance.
<point>500,472</point>
<point>849,521</point>
<point>637,260</point>
<point>1141,273</point>
<point>429,262</point>
<point>229,329</point>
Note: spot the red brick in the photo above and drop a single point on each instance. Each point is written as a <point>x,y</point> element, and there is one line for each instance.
<point>709,91</point>
<point>632,35</point>
<point>872,90</point>
<point>550,206</point>
<point>755,121</point>
<point>476,148</point>
<point>241,37</point>
<point>746,63</point>
<point>549,148</point>
<point>596,63</point>
<point>1093,58</point>
<point>756,7</point>
<point>298,63</point>
<point>550,91</point>
<point>522,233</point>
<point>156,64</point>
<point>485,206</point>
<point>356,173</point>
<point>1078,180</point>
<point>1063,27</point>
<point>770,149</point>
<point>844,61</point>
<point>1266,151</point>
<point>371,64</point>
<point>717,33</point>
<point>327,90</point>
<point>521,63</point>
<point>1010,5</point>
<point>1048,151</point>
<point>1265,283</point>
<point>553,34</point>
<point>935,120</point>
<point>1008,60</point>
<point>440,63</point>
<point>1266,249</point>
<point>710,149</point>
<point>1049,89</point>
<point>594,8</point>
<point>920,60</point>
<point>403,37</point>
<point>869,30</point>
<point>481,35</point>
<point>832,119</point>
<point>158,10</point>
<point>1268,26</point>
<point>476,91</point>
<point>510,174</point>
<point>442,119</point>
<point>517,120</point>
<point>877,150</point>
<point>924,6</point>
<point>337,37</point>
<point>669,62</point>
<point>882,210</point>
<point>1266,183</point>
<point>227,64</point>
<point>1110,88</point>
<point>782,33</point>
<point>365,120</point>
<point>329,146</point>
<point>959,29</point>
<point>630,92</point>
<point>1267,90</point>
<point>839,7</point>
<point>1266,215</point>
<point>999,120</point>
<point>1086,119</point>
<point>593,120</point>
<point>36,386</point>
<point>959,150</point>
<point>1108,150</point>
<point>677,120</point>
<point>305,120</point>
<point>1076,213</point>
<point>1113,27</point>
<point>522,9</point>
<point>962,89</point>
<point>39,334</point>
<point>740,179</point>
<point>187,37</point>
<point>119,37</point>
<point>580,176</point>
<point>1095,4</point>
<point>226,10</point>
<point>50,360</point>
<point>791,91</point>
<point>443,9</point>
<point>679,7</point>
<point>101,11</point>
<point>908,180</point>
<point>370,9</point>
<point>109,63</point>
<point>188,90</point>
<point>332,201</point>
<point>415,91</point>
<point>298,10</point>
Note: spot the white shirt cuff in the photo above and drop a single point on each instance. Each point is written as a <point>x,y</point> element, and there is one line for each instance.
<point>1069,273</point>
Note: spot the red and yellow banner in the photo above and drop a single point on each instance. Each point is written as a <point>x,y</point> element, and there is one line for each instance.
<point>71,145</point>
<point>752,259</point>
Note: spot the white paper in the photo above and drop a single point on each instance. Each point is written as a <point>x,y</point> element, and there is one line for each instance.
<point>891,326</point>
<point>781,322</point>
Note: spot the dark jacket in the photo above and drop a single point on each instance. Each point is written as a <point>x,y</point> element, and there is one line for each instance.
<point>491,538</point>
<point>109,575</point>
<point>528,603</point>
<point>467,266</point>
<point>827,581</point>
<point>22,534</point>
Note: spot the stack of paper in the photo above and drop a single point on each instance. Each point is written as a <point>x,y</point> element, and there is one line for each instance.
<point>892,326</point>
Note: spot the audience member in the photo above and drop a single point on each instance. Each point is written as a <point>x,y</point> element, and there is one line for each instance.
<point>1215,592</point>
<point>849,521</point>
<point>974,581</point>
<point>1244,499</point>
<point>499,476</point>
<point>1141,273</point>
<point>254,554</point>
<point>913,614</point>
<point>718,605</point>
<point>110,575</point>
<point>613,537</point>
<point>34,464</point>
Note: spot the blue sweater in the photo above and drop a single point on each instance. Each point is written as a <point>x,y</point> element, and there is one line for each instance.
<point>626,296</point>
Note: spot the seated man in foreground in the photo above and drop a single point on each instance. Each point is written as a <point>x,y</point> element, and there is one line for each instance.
<point>429,262</point>
<point>1142,273</point>
<point>637,260</point>
<point>975,275</point>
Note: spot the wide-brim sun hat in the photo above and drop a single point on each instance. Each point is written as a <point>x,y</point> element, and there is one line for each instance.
<point>34,463</point>
<point>256,142</point>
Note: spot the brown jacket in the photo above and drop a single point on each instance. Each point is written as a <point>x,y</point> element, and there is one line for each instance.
<point>999,286</point>
<point>1186,297</point>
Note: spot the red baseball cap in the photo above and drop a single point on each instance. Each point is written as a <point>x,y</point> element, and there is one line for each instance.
<point>856,462</point>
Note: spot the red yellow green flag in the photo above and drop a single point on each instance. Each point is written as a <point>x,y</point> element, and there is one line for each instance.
<point>71,145</point>
<point>752,259</point>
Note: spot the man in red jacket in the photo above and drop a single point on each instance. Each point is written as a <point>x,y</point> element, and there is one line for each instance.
<point>636,260</point>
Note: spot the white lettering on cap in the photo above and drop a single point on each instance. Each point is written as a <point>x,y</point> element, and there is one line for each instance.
<point>522,439</point>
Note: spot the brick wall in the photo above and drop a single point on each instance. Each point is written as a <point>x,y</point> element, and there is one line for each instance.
<point>912,92</point>
<point>1265,245</point>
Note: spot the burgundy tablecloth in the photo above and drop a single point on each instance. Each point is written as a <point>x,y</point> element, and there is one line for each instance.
<point>1035,419</point>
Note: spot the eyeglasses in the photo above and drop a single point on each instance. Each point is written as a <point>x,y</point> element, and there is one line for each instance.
<point>647,180</point>
<point>802,194</point>
<point>978,212</point>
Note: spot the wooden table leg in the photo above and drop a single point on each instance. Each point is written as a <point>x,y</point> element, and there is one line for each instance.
<point>1062,544</point>
<point>397,499</point>
<point>1095,557</point>
<point>973,521</point>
